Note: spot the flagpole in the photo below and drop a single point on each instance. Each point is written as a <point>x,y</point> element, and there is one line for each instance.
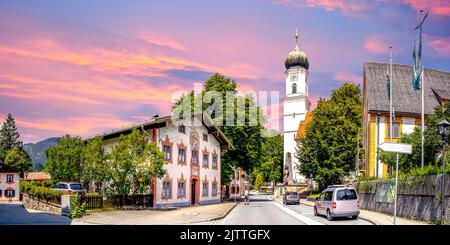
<point>423,118</point>
<point>390,93</point>
<point>422,160</point>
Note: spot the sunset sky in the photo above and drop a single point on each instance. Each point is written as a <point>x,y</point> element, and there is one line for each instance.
<point>83,67</point>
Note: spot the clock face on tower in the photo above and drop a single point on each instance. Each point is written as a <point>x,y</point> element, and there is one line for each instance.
<point>293,77</point>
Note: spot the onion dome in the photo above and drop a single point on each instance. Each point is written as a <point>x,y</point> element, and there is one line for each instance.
<point>296,57</point>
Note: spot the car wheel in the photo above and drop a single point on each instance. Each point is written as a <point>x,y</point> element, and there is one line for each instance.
<point>355,217</point>
<point>329,217</point>
<point>315,212</point>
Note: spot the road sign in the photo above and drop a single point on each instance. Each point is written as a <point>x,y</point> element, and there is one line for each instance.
<point>396,147</point>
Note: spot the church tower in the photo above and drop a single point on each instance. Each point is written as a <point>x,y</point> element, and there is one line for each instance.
<point>296,105</point>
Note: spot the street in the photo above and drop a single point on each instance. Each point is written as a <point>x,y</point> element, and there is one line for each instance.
<point>262,210</point>
<point>15,214</point>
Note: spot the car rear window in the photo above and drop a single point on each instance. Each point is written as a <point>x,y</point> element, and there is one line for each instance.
<point>75,186</point>
<point>346,194</point>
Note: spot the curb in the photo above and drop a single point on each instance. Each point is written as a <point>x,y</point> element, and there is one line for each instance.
<point>215,218</point>
<point>361,217</point>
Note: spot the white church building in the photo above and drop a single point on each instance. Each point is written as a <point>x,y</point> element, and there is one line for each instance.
<point>296,105</point>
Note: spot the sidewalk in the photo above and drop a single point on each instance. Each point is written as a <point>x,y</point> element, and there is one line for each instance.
<point>178,216</point>
<point>377,218</point>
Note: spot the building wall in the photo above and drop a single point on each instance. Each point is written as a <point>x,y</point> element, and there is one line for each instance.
<point>302,79</point>
<point>5,185</point>
<point>378,133</point>
<point>176,171</point>
<point>295,108</point>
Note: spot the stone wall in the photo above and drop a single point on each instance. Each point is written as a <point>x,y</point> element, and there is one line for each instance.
<point>37,204</point>
<point>418,198</point>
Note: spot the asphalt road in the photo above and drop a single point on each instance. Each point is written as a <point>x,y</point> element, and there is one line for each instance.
<point>15,214</point>
<point>264,211</point>
<point>308,211</point>
<point>259,211</point>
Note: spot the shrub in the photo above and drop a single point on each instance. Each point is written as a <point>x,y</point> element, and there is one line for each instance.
<point>77,210</point>
<point>40,191</point>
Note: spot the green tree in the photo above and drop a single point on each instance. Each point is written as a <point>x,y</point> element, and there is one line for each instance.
<point>9,136</point>
<point>19,159</point>
<point>247,137</point>
<point>270,169</point>
<point>131,164</point>
<point>64,160</point>
<point>432,143</point>
<point>93,164</point>
<point>328,151</point>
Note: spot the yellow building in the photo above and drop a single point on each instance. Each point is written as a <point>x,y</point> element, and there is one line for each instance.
<point>406,103</point>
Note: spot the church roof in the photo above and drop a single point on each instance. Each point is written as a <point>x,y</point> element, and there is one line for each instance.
<point>405,99</point>
<point>296,57</point>
<point>301,132</point>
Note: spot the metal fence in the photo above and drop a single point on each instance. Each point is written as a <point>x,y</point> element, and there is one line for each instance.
<point>117,201</point>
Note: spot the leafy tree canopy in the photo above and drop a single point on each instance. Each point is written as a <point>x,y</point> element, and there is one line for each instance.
<point>131,164</point>
<point>246,136</point>
<point>328,151</point>
<point>64,160</point>
<point>19,159</point>
<point>432,143</point>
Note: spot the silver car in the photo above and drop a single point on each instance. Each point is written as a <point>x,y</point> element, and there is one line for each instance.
<point>291,197</point>
<point>337,201</point>
<point>69,187</point>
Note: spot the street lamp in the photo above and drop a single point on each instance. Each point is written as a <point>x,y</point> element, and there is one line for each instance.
<point>444,130</point>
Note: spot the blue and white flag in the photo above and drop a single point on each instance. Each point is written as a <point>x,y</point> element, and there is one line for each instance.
<point>388,84</point>
<point>417,58</point>
<point>417,69</point>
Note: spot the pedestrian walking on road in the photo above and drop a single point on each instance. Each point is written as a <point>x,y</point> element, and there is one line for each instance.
<point>246,195</point>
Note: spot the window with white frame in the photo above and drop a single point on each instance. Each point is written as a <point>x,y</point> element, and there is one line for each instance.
<point>214,161</point>
<point>205,189</point>
<point>182,155</point>
<point>214,189</point>
<point>167,190</point>
<point>181,189</point>
<point>205,160</point>
<point>194,157</point>
<point>10,178</point>
<point>167,152</point>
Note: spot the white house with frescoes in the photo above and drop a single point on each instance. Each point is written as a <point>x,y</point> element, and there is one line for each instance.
<point>9,183</point>
<point>192,153</point>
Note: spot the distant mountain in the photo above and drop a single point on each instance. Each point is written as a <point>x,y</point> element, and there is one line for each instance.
<point>37,152</point>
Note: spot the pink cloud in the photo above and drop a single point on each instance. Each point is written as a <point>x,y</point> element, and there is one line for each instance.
<point>376,44</point>
<point>347,7</point>
<point>441,45</point>
<point>163,40</point>
<point>348,77</point>
<point>437,7</point>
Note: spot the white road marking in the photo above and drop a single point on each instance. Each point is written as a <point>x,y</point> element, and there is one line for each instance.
<point>296,215</point>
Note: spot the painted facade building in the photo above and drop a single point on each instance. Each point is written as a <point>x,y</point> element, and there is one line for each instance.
<point>406,103</point>
<point>239,182</point>
<point>296,104</point>
<point>192,155</point>
<point>9,183</point>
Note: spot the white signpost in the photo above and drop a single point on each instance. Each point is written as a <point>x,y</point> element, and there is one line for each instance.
<point>395,148</point>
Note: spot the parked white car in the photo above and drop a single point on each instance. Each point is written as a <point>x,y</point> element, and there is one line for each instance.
<point>69,187</point>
